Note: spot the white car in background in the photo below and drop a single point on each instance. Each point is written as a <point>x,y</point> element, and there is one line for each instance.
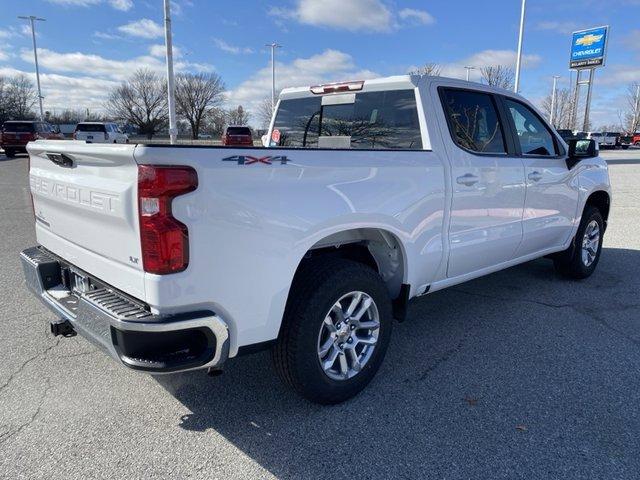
<point>100,132</point>
<point>605,139</point>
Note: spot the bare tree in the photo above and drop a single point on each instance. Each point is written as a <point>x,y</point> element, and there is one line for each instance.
<point>17,98</point>
<point>264,112</point>
<point>431,69</point>
<point>630,116</point>
<point>498,76</point>
<point>4,99</point>
<point>214,121</point>
<point>141,101</point>
<point>563,107</point>
<point>196,94</point>
<point>238,116</point>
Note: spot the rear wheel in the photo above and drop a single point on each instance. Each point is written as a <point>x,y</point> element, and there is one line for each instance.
<point>581,260</point>
<point>335,332</point>
<point>10,153</point>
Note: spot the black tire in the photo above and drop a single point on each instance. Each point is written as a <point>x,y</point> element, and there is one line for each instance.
<point>570,263</point>
<point>316,289</point>
<point>10,153</point>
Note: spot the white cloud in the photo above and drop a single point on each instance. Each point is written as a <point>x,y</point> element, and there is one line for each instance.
<point>4,34</point>
<point>558,27</point>
<point>484,58</point>
<point>124,5</point>
<point>143,28</point>
<point>95,65</point>
<point>106,36</point>
<point>617,75</point>
<point>352,15</point>
<point>160,51</point>
<point>3,55</point>
<point>78,80</point>
<point>65,92</point>
<point>420,17</point>
<point>225,47</point>
<point>330,65</point>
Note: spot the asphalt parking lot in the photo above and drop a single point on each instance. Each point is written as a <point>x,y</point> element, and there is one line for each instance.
<point>517,375</point>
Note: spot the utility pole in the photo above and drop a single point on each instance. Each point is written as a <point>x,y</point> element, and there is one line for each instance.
<point>469,68</point>
<point>516,85</point>
<point>171,87</point>
<point>553,100</point>
<point>273,47</point>
<point>32,19</point>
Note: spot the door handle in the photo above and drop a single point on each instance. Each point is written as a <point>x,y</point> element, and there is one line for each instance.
<point>467,180</point>
<point>535,176</point>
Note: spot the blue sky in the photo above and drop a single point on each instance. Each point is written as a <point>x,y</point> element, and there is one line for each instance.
<point>88,46</point>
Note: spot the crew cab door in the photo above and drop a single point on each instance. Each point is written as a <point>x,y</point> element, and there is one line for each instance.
<point>552,190</point>
<point>488,188</point>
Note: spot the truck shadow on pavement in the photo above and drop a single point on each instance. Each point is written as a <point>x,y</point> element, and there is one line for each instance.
<point>511,374</point>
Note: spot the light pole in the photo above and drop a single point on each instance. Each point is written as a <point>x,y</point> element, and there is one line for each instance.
<point>273,47</point>
<point>636,112</point>
<point>516,85</point>
<point>469,68</point>
<point>553,100</point>
<point>171,87</point>
<point>32,19</point>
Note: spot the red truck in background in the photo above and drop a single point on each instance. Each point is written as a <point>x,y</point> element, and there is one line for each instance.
<point>16,134</point>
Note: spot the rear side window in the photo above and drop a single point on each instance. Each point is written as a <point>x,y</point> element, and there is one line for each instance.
<point>532,134</point>
<point>473,121</point>
<point>19,127</point>
<point>375,120</point>
<point>238,131</point>
<point>90,127</point>
<point>298,121</point>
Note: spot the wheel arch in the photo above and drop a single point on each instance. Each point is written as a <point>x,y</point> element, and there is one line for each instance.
<point>378,248</point>
<point>602,201</point>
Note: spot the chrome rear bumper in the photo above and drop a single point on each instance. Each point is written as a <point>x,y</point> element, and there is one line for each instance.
<point>124,327</point>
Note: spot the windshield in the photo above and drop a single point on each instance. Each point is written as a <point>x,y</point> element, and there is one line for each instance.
<point>375,120</point>
<point>90,127</point>
<point>20,127</point>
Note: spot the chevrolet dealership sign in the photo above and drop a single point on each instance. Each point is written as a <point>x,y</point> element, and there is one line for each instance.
<point>589,47</point>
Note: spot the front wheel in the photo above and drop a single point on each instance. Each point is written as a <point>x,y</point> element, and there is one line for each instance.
<point>581,259</point>
<point>335,332</point>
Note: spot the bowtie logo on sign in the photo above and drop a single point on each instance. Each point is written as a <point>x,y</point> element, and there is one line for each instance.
<point>589,40</point>
<point>249,160</point>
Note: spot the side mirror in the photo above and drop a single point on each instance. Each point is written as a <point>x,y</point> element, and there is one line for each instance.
<point>581,148</point>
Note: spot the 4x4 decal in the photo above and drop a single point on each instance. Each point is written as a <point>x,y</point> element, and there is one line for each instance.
<point>248,160</point>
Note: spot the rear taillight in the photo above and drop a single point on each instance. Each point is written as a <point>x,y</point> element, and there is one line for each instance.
<point>164,240</point>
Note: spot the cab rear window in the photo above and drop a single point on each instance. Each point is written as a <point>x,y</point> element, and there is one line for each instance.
<point>18,127</point>
<point>385,120</point>
<point>90,127</point>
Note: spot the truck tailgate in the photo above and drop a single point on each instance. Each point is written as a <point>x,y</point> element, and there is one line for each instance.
<point>85,203</point>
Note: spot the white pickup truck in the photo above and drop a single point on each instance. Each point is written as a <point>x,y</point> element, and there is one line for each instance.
<point>173,258</point>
